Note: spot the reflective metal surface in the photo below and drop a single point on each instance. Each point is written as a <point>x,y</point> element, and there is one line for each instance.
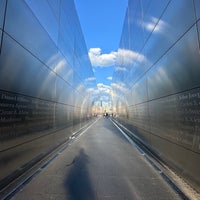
<point>43,67</point>
<point>198,26</point>
<point>158,66</point>
<point>2,12</point>
<point>197,8</point>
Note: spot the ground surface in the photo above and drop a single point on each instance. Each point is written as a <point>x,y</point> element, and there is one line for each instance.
<point>101,164</point>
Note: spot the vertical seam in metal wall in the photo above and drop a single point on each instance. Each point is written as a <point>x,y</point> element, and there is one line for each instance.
<point>4,20</point>
<point>145,76</point>
<point>197,28</point>
<point>129,30</point>
<point>142,16</point>
<point>59,23</point>
<point>145,42</point>
<point>148,112</point>
<point>163,12</point>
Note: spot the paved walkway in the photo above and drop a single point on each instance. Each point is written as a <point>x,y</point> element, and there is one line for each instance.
<point>101,164</point>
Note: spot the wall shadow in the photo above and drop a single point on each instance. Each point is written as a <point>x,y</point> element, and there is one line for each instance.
<point>110,126</point>
<point>78,183</point>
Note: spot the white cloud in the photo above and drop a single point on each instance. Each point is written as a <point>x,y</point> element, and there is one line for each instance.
<point>119,86</point>
<point>109,78</point>
<point>90,79</point>
<point>103,88</point>
<point>101,60</point>
<point>104,92</point>
<point>55,63</point>
<point>155,25</point>
<point>93,90</point>
<point>120,69</point>
<point>127,57</point>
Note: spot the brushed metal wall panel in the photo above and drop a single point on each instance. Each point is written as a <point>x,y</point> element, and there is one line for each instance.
<point>133,27</point>
<point>198,24</point>
<point>180,158</point>
<point>163,118</point>
<point>139,91</point>
<point>64,92</point>
<point>2,12</point>
<point>0,38</point>
<point>130,66</point>
<point>178,70</point>
<point>44,91</point>
<point>21,115</point>
<point>152,11</point>
<point>138,114</point>
<point>55,6</point>
<point>197,8</point>
<point>78,100</point>
<point>64,116</point>
<point>169,29</point>
<point>24,73</point>
<point>59,64</point>
<point>77,82</point>
<point>45,16</point>
<point>28,31</point>
<point>29,146</point>
<point>66,47</point>
<point>142,17</point>
<point>162,108</point>
<point>188,119</point>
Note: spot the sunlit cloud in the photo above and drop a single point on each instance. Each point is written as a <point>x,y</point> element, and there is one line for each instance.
<point>80,87</point>
<point>101,60</point>
<point>120,69</point>
<point>109,78</point>
<point>56,63</point>
<point>120,87</point>
<point>90,79</point>
<point>59,66</point>
<point>103,88</point>
<point>128,57</point>
<point>155,24</point>
<point>161,76</point>
<point>92,90</point>
<point>102,92</point>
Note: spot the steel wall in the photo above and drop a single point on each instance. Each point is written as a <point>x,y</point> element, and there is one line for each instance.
<point>156,83</point>
<point>44,71</point>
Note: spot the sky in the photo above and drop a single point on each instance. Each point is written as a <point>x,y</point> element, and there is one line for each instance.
<point>102,22</point>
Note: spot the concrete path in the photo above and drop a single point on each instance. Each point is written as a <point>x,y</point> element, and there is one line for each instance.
<point>101,164</point>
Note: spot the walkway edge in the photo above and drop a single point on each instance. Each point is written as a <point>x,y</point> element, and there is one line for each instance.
<point>6,194</point>
<point>184,190</point>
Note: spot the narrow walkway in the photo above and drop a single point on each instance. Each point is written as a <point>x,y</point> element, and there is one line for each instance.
<point>101,164</point>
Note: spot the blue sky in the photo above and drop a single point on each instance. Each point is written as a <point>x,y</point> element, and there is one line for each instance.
<point>102,22</point>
